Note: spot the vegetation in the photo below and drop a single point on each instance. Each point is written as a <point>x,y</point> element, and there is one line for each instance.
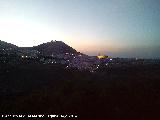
<point>115,93</point>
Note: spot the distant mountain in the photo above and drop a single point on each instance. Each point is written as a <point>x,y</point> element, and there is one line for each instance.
<point>46,49</point>
<point>5,45</point>
<point>54,48</point>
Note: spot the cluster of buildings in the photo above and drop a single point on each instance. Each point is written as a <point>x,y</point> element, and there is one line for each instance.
<point>75,60</point>
<point>70,60</point>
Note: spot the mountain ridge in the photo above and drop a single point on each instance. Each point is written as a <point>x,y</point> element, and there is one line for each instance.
<point>48,48</point>
<point>4,45</point>
<point>54,47</point>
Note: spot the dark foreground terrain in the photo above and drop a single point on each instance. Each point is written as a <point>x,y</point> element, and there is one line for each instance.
<point>126,92</point>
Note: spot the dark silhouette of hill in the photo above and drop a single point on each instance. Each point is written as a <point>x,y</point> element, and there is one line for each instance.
<point>46,49</point>
<point>54,47</point>
<point>5,45</point>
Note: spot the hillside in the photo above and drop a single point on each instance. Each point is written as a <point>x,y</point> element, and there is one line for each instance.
<point>54,47</point>
<point>46,49</point>
<point>5,45</point>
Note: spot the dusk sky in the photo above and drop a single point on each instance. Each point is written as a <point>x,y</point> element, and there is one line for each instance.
<point>119,28</point>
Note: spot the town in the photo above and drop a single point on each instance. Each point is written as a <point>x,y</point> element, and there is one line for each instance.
<point>66,56</point>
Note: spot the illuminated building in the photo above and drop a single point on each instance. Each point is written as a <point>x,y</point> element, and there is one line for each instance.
<point>102,56</point>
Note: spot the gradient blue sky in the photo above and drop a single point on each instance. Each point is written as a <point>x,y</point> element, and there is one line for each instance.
<point>119,28</point>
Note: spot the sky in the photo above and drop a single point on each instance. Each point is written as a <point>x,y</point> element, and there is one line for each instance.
<point>118,28</point>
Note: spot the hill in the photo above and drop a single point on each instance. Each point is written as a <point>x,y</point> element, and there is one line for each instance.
<point>5,45</point>
<point>54,48</point>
